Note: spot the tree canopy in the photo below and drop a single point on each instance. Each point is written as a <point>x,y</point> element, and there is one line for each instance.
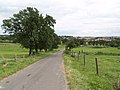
<point>32,30</point>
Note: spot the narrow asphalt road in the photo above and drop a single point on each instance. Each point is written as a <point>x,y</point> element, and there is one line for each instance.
<point>46,74</point>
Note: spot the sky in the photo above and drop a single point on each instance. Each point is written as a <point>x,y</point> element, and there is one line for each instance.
<point>73,17</point>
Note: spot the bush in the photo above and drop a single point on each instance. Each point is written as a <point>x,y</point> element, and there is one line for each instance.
<point>119,47</point>
<point>67,52</point>
<point>33,52</point>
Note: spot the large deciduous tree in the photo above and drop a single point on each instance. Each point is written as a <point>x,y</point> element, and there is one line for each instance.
<point>31,29</point>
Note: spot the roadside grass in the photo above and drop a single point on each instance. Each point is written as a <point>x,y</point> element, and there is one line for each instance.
<point>98,51</point>
<point>14,58</point>
<point>82,77</point>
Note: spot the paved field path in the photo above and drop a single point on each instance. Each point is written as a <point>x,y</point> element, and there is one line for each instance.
<point>46,74</point>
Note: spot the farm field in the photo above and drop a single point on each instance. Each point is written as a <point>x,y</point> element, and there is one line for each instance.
<point>82,77</point>
<point>13,58</point>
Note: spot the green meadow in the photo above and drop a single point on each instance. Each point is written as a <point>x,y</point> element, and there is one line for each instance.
<point>84,77</point>
<point>13,58</point>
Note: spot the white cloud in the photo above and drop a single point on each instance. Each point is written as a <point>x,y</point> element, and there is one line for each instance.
<point>74,17</point>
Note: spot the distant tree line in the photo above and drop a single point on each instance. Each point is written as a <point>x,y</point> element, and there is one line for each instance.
<point>32,30</point>
<point>6,39</point>
<point>115,42</point>
<point>99,43</point>
<point>72,42</point>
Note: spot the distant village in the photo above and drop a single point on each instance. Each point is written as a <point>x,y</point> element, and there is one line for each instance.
<point>91,38</point>
<point>96,38</point>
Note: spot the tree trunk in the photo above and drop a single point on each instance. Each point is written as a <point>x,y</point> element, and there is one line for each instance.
<point>30,51</point>
<point>45,50</point>
<point>40,50</point>
<point>36,49</point>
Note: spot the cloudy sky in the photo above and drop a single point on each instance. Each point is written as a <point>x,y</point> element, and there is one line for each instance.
<point>73,17</point>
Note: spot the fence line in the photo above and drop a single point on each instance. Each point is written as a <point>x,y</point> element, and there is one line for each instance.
<point>82,53</point>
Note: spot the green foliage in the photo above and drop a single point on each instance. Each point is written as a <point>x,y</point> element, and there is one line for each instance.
<point>115,42</point>
<point>56,41</point>
<point>5,41</point>
<point>99,43</point>
<point>32,30</point>
<point>6,37</point>
<point>71,44</point>
<point>67,52</point>
<point>68,39</point>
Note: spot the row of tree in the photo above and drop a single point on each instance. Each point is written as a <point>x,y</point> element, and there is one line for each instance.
<point>32,30</point>
<point>99,43</point>
<point>6,37</point>
<point>113,43</point>
<point>72,42</point>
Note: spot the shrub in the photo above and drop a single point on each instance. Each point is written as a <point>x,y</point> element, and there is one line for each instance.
<point>67,52</point>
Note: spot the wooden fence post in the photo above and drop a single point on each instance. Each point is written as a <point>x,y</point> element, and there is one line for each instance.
<point>78,56</point>
<point>74,54</point>
<point>79,52</point>
<point>84,59</point>
<point>96,61</point>
<point>82,51</point>
<point>71,53</point>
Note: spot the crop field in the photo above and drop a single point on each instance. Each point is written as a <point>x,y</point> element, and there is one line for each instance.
<point>13,57</point>
<point>81,70</point>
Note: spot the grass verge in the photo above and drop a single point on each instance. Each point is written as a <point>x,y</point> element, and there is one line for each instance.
<point>14,58</point>
<point>82,77</point>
